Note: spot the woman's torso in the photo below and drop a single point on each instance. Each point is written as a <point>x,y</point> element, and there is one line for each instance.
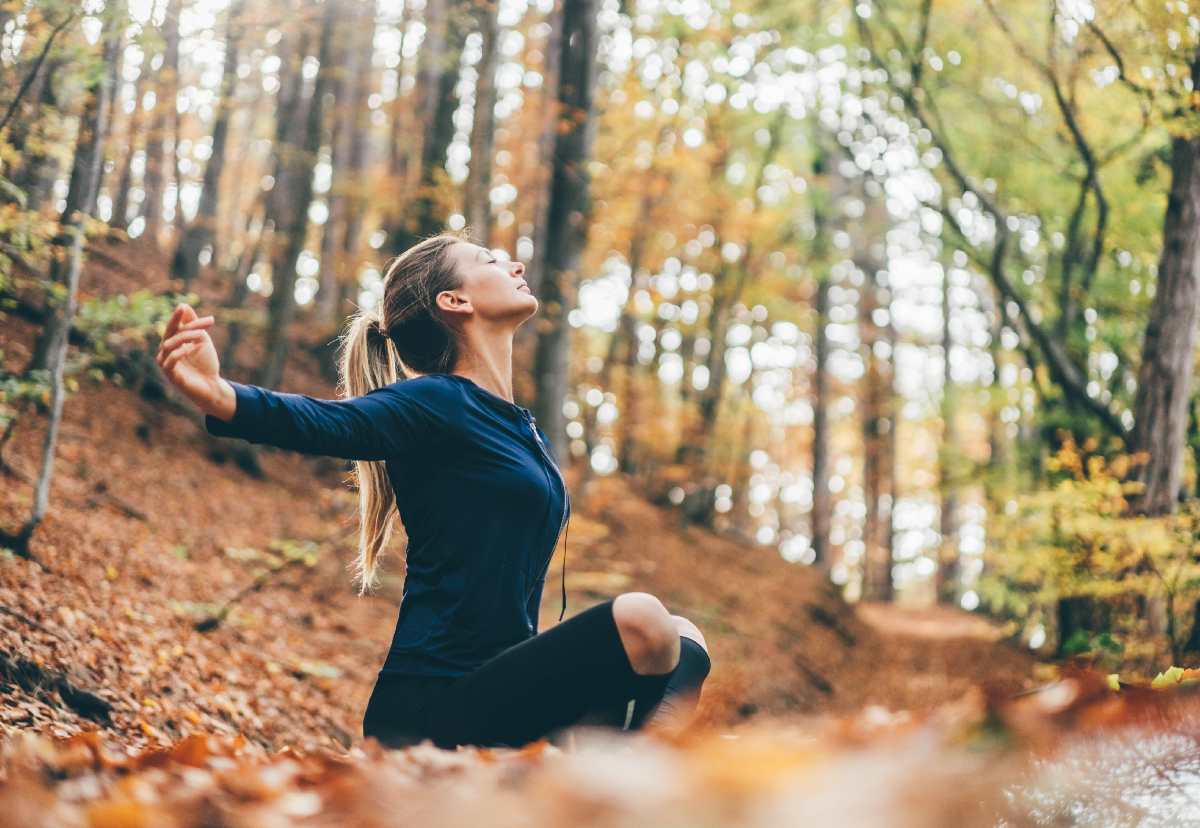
<point>483,509</point>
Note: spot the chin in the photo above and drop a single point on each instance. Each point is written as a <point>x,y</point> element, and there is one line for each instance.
<point>529,309</point>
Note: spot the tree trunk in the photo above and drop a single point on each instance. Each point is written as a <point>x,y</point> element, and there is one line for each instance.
<point>67,262</point>
<point>39,167</point>
<point>25,114</point>
<point>822,500</point>
<point>525,340</point>
<point>889,494</point>
<point>241,290</point>
<point>292,202</point>
<point>476,202</point>
<point>947,563</point>
<point>730,281</point>
<point>567,214</point>
<point>357,194</point>
<point>348,100</point>
<point>201,233</point>
<point>1169,349</point>
<point>120,216</point>
<point>161,124</point>
<point>425,215</point>
<point>876,422</point>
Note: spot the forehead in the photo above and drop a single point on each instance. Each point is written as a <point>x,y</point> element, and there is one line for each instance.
<point>468,252</point>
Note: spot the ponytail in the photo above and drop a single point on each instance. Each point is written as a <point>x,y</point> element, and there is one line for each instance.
<point>369,362</point>
<point>404,335</point>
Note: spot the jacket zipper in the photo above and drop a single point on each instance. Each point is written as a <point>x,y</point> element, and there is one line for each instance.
<point>563,521</point>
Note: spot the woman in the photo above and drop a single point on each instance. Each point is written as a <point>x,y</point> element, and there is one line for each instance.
<point>483,504</point>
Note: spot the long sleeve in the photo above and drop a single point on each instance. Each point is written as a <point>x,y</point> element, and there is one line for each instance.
<point>388,422</point>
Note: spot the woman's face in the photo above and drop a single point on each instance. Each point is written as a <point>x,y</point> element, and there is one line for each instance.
<point>492,290</point>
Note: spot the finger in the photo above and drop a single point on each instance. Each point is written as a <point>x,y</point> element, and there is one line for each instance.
<point>198,324</point>
<point>172,361</point>
<point>173,322</point>
<point>182,337</point>
<point>168,345</point>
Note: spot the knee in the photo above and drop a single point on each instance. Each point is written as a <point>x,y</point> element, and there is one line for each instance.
<point>687,629</point>
<point>649,633</point>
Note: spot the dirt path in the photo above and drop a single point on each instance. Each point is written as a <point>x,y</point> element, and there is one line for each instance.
<point>932,652</point>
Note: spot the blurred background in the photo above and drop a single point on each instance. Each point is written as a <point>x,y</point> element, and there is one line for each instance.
<point>889,292</point>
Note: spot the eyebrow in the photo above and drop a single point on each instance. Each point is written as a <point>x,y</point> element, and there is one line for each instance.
<point>480,253</point>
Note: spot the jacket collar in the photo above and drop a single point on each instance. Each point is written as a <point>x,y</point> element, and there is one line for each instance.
<point>488,398</point>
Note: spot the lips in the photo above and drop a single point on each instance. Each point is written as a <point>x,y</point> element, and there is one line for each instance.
<point>523,285</point>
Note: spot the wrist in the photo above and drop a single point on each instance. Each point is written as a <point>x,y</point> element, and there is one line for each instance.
<point>223,404</point>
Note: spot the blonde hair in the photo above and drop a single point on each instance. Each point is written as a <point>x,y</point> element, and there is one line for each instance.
<point>402,335</point>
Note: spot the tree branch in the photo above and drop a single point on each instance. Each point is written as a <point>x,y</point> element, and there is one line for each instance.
<point>37,67</point>
<point>1063,369</point>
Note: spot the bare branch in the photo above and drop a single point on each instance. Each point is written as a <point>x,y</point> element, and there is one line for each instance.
<point>33,72</point>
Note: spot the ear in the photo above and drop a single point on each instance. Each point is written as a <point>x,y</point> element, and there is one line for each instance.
<point>454,302</point>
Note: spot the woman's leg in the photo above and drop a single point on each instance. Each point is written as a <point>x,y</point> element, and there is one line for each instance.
<point>674,712</point>
<point>620,650</point>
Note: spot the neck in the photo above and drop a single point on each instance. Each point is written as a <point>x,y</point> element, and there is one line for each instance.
<point>485,358</point>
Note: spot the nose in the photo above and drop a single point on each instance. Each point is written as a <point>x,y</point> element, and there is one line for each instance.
<point>518,269</point>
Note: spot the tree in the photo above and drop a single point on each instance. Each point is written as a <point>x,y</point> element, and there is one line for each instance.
<point>67,259</point>
<point>878,410</point>
<point>566,214</point>
<point>162,121</point>
<point>201,233</point>
<point>447,24</point>
<point>350,124</point>
<point>1169,353</point>
<point>822,500</point>
<point>946,582</point>
<point>476,204</point>
<point>293,191</point>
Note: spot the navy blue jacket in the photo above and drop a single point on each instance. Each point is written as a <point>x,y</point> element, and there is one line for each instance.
<point>479,493</point>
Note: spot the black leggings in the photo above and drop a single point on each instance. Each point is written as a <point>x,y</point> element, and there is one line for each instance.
<point>575,670</point>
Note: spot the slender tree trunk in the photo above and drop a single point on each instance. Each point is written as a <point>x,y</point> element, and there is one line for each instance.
<point>201,233</point>
<point>447,23</point>
<point>477,206</point>
<point>524,343</point>
<point>889,494</point>
<point>241,290</point>
<point>947,564</point>
<point>822,500</point>
<point>25,115</point>
<point>67,262</point>
<point>120,217</point>
<point>730,281</point>
<point>623,350</point>
<point>1169,349</point>
<point>292,232</point>
<point>876,422</point>
<point>549,118</point>
<point>39,168</point>
<point>339,244</point>
<point>358,188</point>
<point>567,219</point>
<point>162,120</point>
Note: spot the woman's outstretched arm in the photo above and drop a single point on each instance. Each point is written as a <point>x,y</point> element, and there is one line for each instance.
<point>386,423</point>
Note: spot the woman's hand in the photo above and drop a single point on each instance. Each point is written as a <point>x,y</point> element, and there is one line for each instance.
<point>189,359</point>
